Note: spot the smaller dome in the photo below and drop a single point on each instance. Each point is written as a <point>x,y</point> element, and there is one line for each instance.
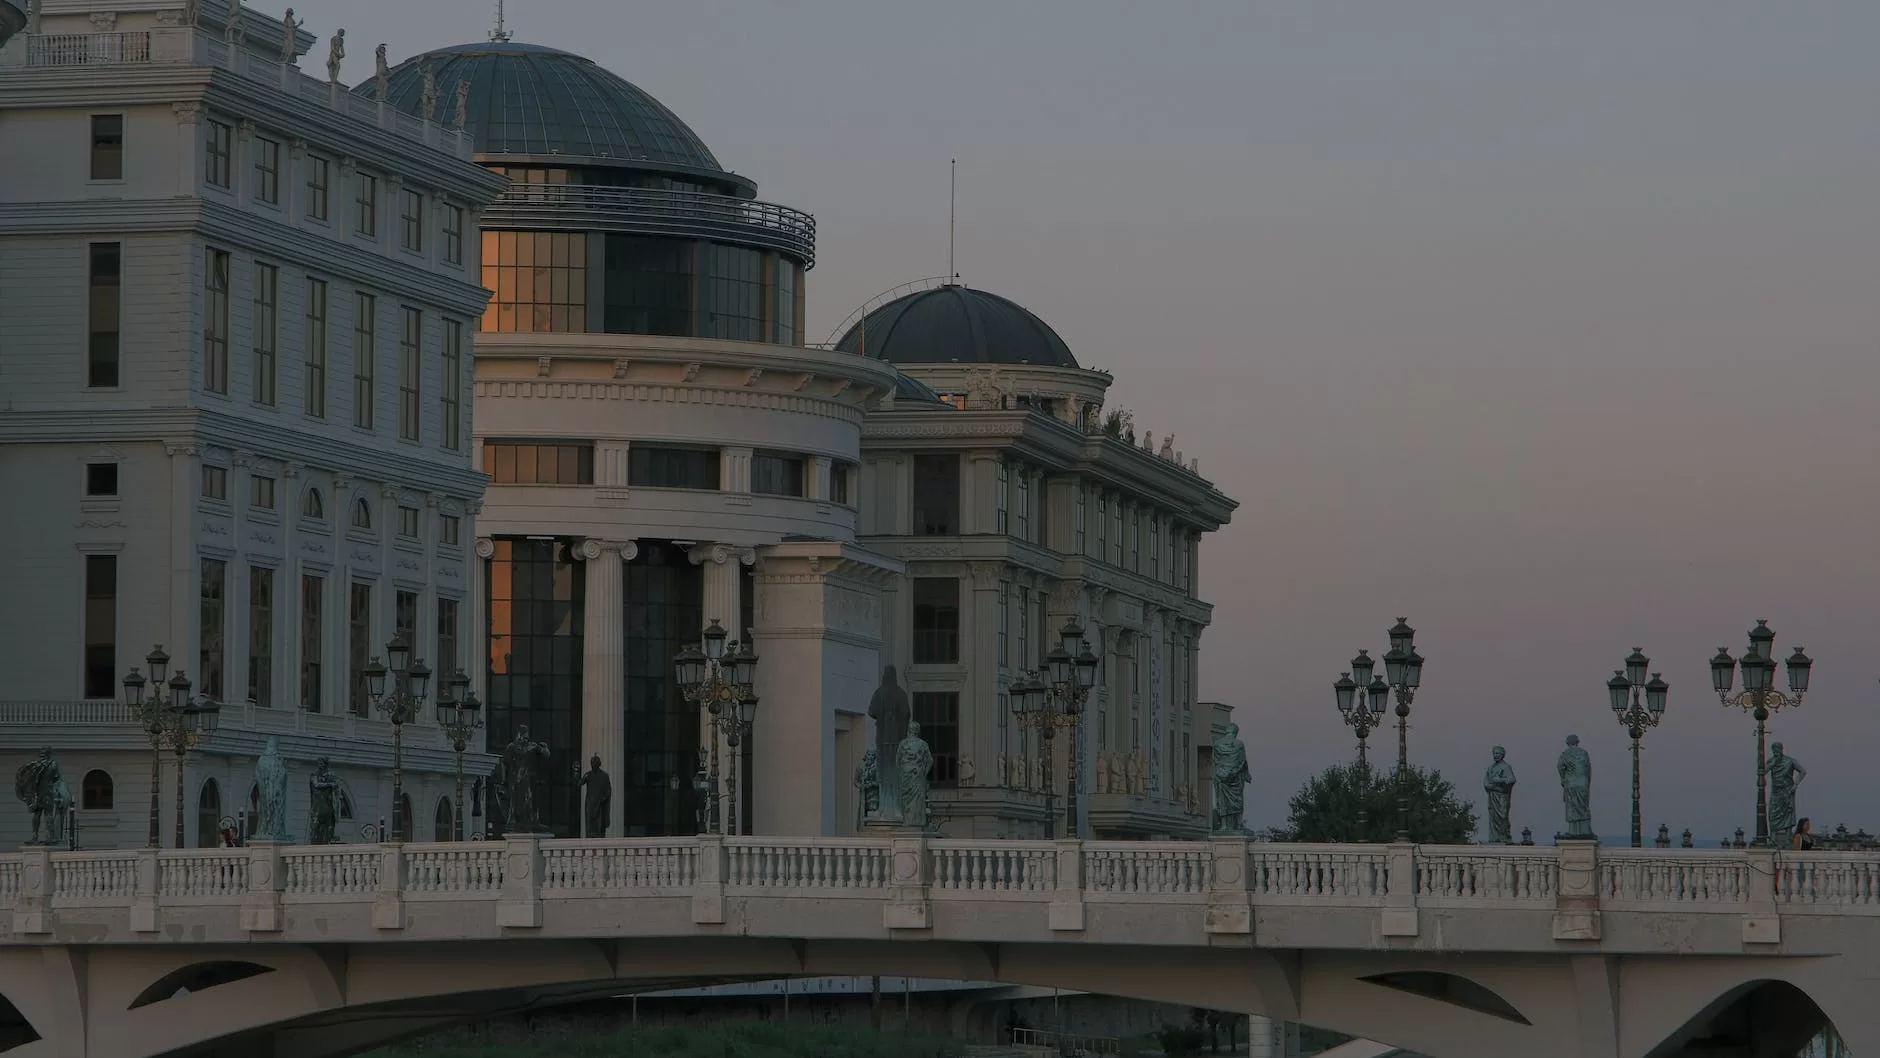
<point>952,323</point>
<point>911,390</point>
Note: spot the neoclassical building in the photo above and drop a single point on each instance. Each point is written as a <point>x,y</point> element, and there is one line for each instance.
<point>665,451</point>
<point>235,420</point>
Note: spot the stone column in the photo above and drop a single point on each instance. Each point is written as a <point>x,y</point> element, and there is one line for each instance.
<point>722,600</point>
<point>603,671</point>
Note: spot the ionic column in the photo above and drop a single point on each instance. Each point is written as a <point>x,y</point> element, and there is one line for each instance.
<point>722,600</point>
<point>603,672</point>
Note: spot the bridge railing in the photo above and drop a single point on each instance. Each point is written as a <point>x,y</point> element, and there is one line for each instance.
<point>1226,881</point>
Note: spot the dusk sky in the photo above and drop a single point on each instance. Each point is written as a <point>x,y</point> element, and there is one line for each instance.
<point>1551,327</point>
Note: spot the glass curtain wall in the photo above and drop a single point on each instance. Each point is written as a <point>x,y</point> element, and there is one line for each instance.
<point>663,602</point>
<point>536,596</point>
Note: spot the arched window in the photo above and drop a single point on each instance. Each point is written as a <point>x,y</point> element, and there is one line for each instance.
<point>313,506</point>
<point>405,826</point>
<point>362,514</point>
<point>96,791</point>
<point>208,815</point>
<point>444,822</point>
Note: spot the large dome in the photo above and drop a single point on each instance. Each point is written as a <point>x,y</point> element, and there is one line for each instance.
<point>537,102</point>
<point>953,323</point>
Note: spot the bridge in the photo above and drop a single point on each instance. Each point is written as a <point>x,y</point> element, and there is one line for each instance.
<point>1573,951</point>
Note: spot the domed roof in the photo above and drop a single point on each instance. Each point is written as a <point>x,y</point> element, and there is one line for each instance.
<point>912,390</point>
<point>951,323</point>
<point>526,99</point>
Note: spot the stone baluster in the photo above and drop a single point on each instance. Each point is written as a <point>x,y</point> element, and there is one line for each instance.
<point>388,904</point>
<point>1399,917</point>
<point>908,877</point>
<point>1067,899</point>
<point>261,902</point>
<point>1576,902</point>
<point>520,906</point>
<point>32,908</point>
<point>144,896</point>
<point>708,886</point>
<point>1230,906</point>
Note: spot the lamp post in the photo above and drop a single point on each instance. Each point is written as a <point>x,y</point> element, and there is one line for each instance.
<point>172,720</point>
<point>1403,673</point>
<point>720,680</point>
<point>1054,698</point>
<point>1759,699</point>
<point>400,703</point>
<point>460,715</point>
<point>1636,714</point>
<point>1363,716</point>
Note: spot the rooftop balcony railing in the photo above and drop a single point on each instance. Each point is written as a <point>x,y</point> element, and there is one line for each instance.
<point>655,211</point>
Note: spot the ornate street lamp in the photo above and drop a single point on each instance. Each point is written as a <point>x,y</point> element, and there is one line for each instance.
<point>1054,698</point>
<point>400,703</point>
<point>172,720</point>
<point>1364,715</point>
<point>720,679</point>
<point>460,715</point>
<point>1637,715</point>
<point>1759,699</point>
<point>1403,674</point>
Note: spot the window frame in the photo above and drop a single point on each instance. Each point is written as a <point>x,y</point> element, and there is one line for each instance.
<point>365,359</point>
<point>411,220</point>
<point>217,275</point>
<point>267,171</point>
<point>104,289</point>
<point>319,188</point>
<point>107,147</point>
<point>93,488</point>
<point>366,205</point>
<point>503,461</point>
<point>261,622</point>
<point>219,155</point>
<point>453,234</point>
<point>263,493</point>
<point>411,374</point>
<point>264,324</point>
<point>934,642</point>
<point>317,313</point>
<point>450,387</point>
<point>214,483</point>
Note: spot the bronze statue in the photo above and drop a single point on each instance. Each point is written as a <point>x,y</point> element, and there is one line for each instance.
<point>598,803</point>
<point>868,783</point>
<point>36,785</point>
<point>322,804</point>
<point>889,709</point>
<point>519,757</point>
<point>1231,777</point>
<point>1576,789</point>
<point>913,759</point>
<point>1785,773</point>
<point>1498,784</point>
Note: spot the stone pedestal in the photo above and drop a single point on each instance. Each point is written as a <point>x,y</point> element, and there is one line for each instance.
<point>520,906</point>
<point>907,883</point>
<point>1576,903</point>
<point>261,904</point>
<point>603,672</point>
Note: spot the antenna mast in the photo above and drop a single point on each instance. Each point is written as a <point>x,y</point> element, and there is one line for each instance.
<point>953,198</point>
<point>500,35</point>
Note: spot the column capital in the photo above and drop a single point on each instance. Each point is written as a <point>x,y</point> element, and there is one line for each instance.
<point>485,547</point>
<point>985,575</point>
<point>720,554</point>
<point>591,549</point>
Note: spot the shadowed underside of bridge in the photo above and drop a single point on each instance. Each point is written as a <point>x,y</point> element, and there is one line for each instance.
<point>313,1001</point>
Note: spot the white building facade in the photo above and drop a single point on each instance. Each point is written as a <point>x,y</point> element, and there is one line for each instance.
<point>235,315</point>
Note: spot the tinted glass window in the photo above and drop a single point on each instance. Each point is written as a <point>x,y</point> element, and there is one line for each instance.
<point>673,468</point>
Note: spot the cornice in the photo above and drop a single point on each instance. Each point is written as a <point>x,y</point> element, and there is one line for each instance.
<point>779,368</point>
<point>668,393</point>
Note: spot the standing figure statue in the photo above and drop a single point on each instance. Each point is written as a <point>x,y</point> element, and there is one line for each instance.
<point>1498,783</point>
<point>867,786</point>
<point>597,804</point>
<point>62,812</point>
<point>913,759</point>
<point>335,54</point>
<point>290,48</point>
<point>463,106</point>
<point>1785,774</point>
<point>35,784</point>
<point>192,13</point>
<point>235,32</point>
<point>429,100</point>
<point>519,758</point>
<point>322,804</point>
<point>1230,783</point>
<point>1576,789</point>
<point>271,778</point>
<point>888,708</point>
<point>382,73</point>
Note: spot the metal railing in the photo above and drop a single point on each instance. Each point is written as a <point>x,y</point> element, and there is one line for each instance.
<point>655,211</point>
<point>1064,1043</point>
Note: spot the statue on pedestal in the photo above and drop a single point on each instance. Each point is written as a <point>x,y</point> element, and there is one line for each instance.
<point>867,786</point>
<point>35,784</point>
<point>1785,773</point>
<point>913,759</point>
<point>271,780</point>
<point>1231,777</point>
<point>234,33</point>
<point>335,54</point>
<point>463,106</point>
<point>382,73</point>
<point>290,47</point>
<point>1103,771</point>
<point>518,789</point>
<point>889,709</point>
<point>1133,775</point>
<point>428,102</point>
<point>322,804</point>
<point>1576,789</point>
<point>598,795</point>
<point>1498,784</point>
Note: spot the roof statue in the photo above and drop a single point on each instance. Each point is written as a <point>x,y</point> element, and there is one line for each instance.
<point>383,73</point>
<point>429,104</point>
<point>463,105</point>
<point>233,31</point>
<point>335,54</point>
<point>290,48</point>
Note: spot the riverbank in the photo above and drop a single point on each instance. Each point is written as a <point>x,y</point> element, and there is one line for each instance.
<point>734,1039</point>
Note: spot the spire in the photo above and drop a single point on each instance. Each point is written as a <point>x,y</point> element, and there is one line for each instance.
<point>500,34</point>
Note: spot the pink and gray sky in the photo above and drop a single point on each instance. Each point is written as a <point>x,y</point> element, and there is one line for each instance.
<point>1551,327</point>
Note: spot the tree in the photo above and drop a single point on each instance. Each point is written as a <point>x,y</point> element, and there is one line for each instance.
<point>1326,807</point>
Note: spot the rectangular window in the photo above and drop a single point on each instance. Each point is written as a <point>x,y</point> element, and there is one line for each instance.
<point>405,621</point>
<point>776,474</point>
<point>101,626</point>
<point>785,312</point>
<point>266,331</point>
<point>1077,519</point>
<point>453,235</point>
<point>101,479</point>
<point>842,482</point>
<point>1005,623</point>
<point>315,351</point>
<point>450,530</point>
<point>1135,541</point>
<point>359,647</point>
<point>651,285</point>
<point>261,635</point>
<point>450,386</point>
<point>319,187</point>
<point>936,621</point>
<point>411,221</point>
<point>221,142</point>
<point>1103,526</point>
<point>366,205</point>
<point>1002,498</point>
<point>365,353</point>
<point>104,312</point>
<point>508,463</point>
<point>410,340</point>
<point>538,282</point>
<point>268,171</point>
<point>107,146</point>
<point>654,466</point>
<point>212,616</point>
<point>408,522</point>
<point>1024,630</point>
<point>733,289</point>
<point>447,661</point>
<point>312,639</point>
<point>214,483</point>
<point>936,495</point>
<point>1022,503</point>
<point>938,714</point>
<point>215,324</point>
<point>261,492</point>
<point>1155,547</point>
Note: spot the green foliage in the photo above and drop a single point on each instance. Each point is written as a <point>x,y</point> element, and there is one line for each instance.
<point>725,1039</point>
<point>1181,1042</point>
<point>1326,807</point>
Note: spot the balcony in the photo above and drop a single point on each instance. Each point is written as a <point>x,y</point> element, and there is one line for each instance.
<point>652,211</point>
